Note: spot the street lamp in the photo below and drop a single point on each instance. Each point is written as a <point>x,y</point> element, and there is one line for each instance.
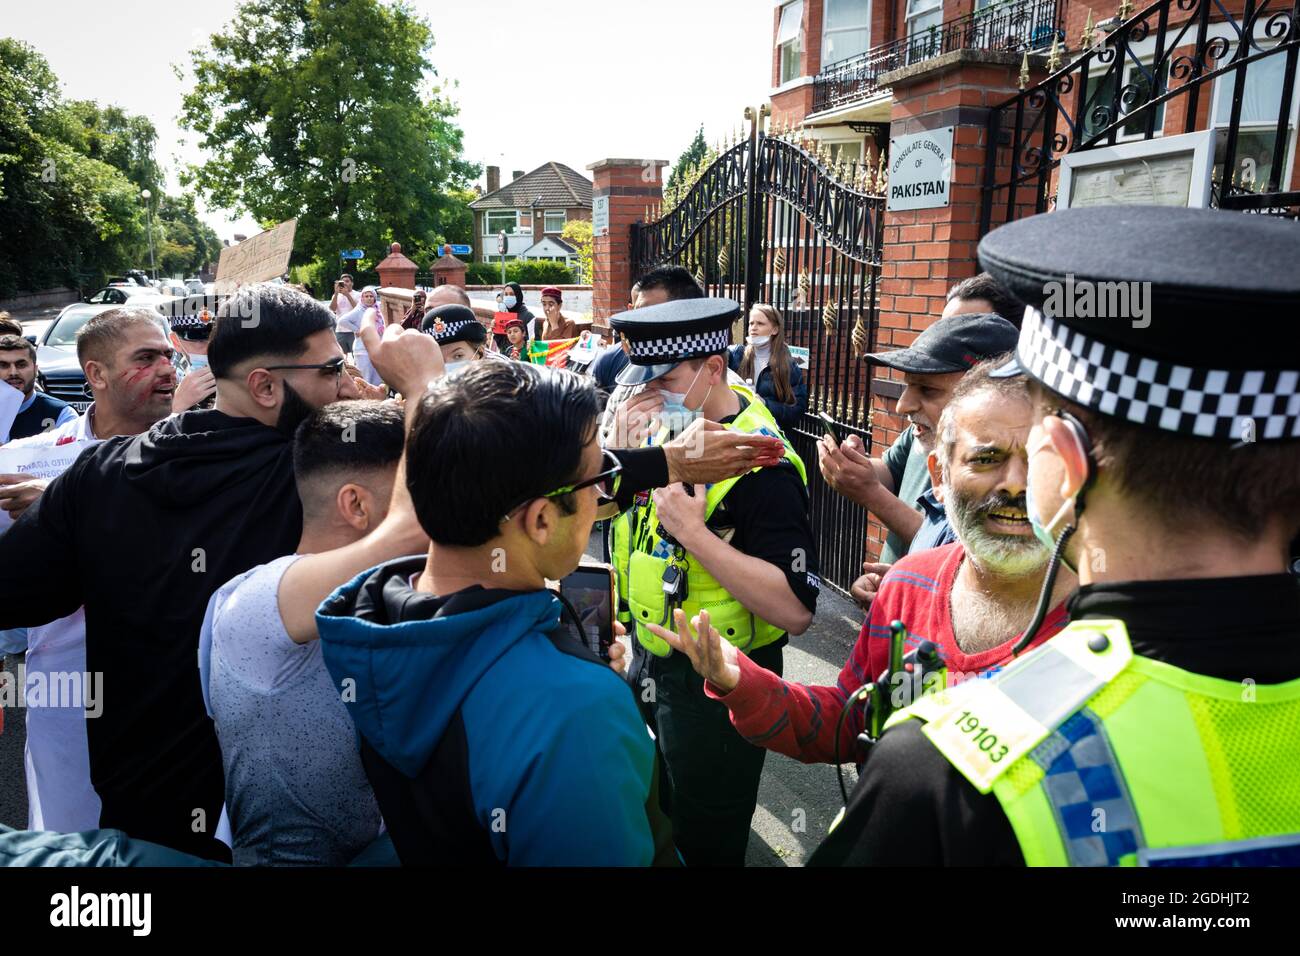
<point>148,211</point>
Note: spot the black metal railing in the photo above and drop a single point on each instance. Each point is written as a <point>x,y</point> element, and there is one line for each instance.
<point>1012,26</point>
<point>768,221</point>
<point>1171,52</point>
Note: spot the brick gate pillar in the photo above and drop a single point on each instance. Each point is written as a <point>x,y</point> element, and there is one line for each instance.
<point>621,190</point>
<point>926,251</point>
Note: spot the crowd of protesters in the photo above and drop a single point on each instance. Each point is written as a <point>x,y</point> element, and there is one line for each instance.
<point>358,543</point>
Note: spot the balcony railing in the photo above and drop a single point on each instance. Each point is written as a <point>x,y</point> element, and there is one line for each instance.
<point>1011,26</point>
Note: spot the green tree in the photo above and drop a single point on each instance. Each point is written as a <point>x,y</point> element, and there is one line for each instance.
<point>323,110</point>
<point>67,217</point>
<point>690,159</point>
<point>577,233</point>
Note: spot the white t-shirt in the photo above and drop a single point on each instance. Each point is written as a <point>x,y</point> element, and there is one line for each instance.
<point>57,758</point>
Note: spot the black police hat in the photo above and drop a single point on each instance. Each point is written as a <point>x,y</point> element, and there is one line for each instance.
<point>453,323</point>
<point>952,344</point>
<point>1145,313</point>
<point>658,338</point>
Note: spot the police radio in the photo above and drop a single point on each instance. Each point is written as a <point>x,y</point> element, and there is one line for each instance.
<point>905,679</point>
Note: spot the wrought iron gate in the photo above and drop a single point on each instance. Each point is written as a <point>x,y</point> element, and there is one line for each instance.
<point>770,221</point>
<point>1204,62</point>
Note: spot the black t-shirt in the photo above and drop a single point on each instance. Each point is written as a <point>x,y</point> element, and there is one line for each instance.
<point>766,516</point>
<point>911,806</point>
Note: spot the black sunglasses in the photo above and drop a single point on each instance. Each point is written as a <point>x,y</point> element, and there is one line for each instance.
<point>333,365</point>
<point>607,483</point>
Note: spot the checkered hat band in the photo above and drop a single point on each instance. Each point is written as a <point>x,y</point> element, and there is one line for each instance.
<point>451,328</point>
<point>672,349</point>
<point>1255,405</point>
<point>188,322</point>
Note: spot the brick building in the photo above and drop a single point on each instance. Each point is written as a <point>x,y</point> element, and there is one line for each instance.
<point>829,57</point>
<point>852,73</point>
<point>531,209</point>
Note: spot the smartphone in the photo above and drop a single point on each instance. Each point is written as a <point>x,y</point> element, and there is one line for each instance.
<point>591,591</point>
<point>831,427</point>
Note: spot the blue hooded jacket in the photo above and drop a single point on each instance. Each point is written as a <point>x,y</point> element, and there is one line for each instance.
<point>559,762</point>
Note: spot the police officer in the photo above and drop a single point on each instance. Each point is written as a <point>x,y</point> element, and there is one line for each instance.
<point>741,548</point>
<point>1162,726</point>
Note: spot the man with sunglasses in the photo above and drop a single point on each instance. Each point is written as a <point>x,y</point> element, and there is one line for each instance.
<point>142,529</point>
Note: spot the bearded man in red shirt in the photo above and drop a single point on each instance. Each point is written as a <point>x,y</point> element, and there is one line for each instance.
<point>973,599</point>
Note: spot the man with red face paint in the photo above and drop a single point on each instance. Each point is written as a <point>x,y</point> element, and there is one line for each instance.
<point>127,363</point>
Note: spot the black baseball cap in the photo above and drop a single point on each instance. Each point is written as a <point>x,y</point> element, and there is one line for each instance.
<point>952,344</point>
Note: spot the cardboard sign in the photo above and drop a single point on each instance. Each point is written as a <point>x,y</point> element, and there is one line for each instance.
<point>256,259</point>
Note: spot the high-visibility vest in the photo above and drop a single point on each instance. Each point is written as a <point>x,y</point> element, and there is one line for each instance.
<point>640,556</point>
<point>1100,757</point>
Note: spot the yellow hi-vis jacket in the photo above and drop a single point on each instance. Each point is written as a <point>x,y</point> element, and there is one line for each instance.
<point>640,557</point>
<point>1100,757</point>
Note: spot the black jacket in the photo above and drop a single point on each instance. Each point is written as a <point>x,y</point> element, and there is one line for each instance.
<point>141,530</point>
<point>787,416</point>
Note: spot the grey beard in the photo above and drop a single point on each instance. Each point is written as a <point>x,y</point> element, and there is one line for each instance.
<point>1007,555</point>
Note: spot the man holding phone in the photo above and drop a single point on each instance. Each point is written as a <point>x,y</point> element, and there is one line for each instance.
<point>896,487</point>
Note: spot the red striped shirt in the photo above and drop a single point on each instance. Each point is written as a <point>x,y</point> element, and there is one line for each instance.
<point>799,720</point>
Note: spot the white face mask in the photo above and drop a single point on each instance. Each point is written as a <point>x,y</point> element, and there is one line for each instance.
<point>759,341</point>
<point>509,301</point>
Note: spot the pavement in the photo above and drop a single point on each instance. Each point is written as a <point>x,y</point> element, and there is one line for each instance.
<point>796,801</point>
<point>13,784</point>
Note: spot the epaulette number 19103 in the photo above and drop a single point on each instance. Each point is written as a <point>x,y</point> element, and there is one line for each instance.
<point>968,723</point>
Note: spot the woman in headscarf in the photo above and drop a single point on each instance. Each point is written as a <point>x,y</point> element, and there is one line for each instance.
<point>511,299</point>
<point>351,322</point>
<point>764,362</point>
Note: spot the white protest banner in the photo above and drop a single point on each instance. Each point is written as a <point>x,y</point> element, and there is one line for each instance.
<point>10,401</point>
<point>37,461</point>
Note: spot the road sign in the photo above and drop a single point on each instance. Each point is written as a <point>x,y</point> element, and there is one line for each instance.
<point>503,243</point>
<point>352,254</point>
<point>461,250</point>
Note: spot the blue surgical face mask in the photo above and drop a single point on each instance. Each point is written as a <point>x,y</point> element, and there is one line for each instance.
<point>198,361</point>
<point>458,366</point>
<point>758,341</point>
<point>1043,532</point>
<point>675,410</point>
<point>509,301</point>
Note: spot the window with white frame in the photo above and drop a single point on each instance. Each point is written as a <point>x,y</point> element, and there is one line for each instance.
<point>922,17</point>
<point>1261,98</point>
<point>923,14</point>
<point>553,220</point>
<point>496,220</point>
<point>789,40</point>
<point>846,30</point>
<point>1101,93</point>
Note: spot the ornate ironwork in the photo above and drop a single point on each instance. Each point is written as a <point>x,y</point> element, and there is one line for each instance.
<point>770,221</point>
<point>1120,88</point>
<point>1012,25</point>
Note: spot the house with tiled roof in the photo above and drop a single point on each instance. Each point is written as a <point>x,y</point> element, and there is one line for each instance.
<point>531,209</point>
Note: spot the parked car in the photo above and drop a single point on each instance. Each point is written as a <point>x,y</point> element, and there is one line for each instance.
<point>58,373</point>
<point>194,286</point>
